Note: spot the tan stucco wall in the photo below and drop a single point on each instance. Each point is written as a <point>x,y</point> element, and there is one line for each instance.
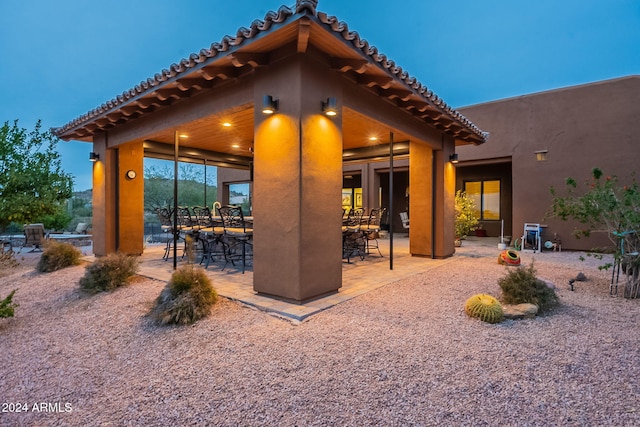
<point>131,199</point>
<point>582,127</point>
<point>297,182</point>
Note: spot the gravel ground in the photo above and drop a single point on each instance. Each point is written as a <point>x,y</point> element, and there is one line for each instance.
<point>403,355</point>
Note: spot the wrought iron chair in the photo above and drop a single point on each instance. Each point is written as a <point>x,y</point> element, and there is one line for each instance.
<point>188,228</point>
<point>353,242</point>
<point>166,225</point>
<point>237,236</point>
<point>210,233</point>
<point>371,229</point>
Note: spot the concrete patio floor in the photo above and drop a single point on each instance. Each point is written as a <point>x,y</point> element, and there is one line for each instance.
<point>358,277</point>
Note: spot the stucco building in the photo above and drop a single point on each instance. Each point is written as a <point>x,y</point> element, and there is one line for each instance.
<point>303,64</point>
<point>538,140</point>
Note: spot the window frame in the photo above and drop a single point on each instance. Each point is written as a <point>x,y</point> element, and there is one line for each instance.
<point>481,208</point>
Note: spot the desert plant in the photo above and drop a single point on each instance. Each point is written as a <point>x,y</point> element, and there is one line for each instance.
<point>187,297</point>
<point>109,272</point>
<point>7,307</point>
<point>521,285</point>
<point>7,261</point>
<point>604,205</point>
<point>484,307</point>
<point>465,220</point>
<point>58,255</point>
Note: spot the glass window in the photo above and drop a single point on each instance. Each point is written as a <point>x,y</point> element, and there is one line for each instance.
<point>486,198</point>
<point>474,192</point>
<point>239,194</point>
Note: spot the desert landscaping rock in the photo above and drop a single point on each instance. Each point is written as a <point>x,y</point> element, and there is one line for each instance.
<point>519,311</point>
<point>403,355</point>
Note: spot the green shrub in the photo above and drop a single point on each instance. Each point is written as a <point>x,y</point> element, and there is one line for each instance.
<point>187,297</point>
<point>58,255</point>
<point>7,307</point>
<point>484,307</point>
<point>522,286</point>
<point>109,272</point>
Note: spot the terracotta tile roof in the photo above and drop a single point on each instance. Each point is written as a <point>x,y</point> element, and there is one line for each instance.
<point>81,126</point>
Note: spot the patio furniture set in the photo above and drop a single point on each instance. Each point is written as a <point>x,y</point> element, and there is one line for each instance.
<point>226,236</point>
<point>360,232</point>
<point>35,235</point>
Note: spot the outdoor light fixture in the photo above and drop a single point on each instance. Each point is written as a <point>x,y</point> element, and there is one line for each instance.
<point>453,158</point>
<point>94,157</point>
<point>330,107</point>
<point>269,105</point>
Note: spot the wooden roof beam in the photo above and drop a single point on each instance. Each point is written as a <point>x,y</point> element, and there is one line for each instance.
<point>431,114</point>
<point>416,105</point>
<point>190,83</point>
<point>223,73</point>
<point>344,65</point>
<point>383,82</point>
<point>402,94</point>
<point>164,94</point>
<point>304,31</point>
<point>130,110</point>
<point>147,102</point>
<point>255,60</point>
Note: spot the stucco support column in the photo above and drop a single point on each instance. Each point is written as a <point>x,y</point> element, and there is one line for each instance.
<point>420,200</point>
<point>130,198</point>
<point>444,206</point>
<point>297,184</point>
<point>103,198</point>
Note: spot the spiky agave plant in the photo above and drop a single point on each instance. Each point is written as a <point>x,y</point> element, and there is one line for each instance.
<point>484,307</point>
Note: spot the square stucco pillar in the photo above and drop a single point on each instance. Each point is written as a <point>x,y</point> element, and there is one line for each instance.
<point>297,184</point>
<point>118,202</point>
<point>130,198</point>
<point>444,206</point>
<point>420,199</point>
<point>103,198</point>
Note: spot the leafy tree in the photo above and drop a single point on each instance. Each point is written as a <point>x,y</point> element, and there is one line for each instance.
<point>33,186</point>
<point>466,220</point>
<point>602,206</point>
<point>606,206</point>
<point>158,187</point>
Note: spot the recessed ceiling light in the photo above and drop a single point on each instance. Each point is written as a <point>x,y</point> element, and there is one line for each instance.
<point>226,124</point>
<point>236,146</point>
<point>373,138</point>
<point>183,135</point>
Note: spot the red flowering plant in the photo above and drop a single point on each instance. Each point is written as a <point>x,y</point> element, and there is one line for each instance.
<point>603,206</point>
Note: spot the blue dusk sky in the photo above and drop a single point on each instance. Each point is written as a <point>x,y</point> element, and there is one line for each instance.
<point>61,59</point>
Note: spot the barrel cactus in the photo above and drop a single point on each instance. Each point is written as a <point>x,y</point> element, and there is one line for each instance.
<point>484,307</point>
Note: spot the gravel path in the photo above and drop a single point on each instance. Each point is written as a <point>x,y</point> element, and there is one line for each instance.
<point>403,355</point>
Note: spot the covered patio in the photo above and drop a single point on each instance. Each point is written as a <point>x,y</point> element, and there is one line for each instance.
<point>358,277</point>
<point>329,94</point>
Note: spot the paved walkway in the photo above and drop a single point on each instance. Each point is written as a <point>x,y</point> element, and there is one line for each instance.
<point>359,277</point>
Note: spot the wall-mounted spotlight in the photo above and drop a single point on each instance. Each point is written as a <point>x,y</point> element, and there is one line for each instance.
<point>330,107</point>
<point>269,105</point>
<point>453,158</point>
<point>94,157</point>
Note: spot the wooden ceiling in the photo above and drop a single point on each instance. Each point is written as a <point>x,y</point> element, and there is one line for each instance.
<point>232,132</point>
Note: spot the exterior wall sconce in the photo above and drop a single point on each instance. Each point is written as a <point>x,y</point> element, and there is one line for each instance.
<point>94,157</point>
<point>453,158</point>
<point>269,105</point>
<point>541,155</point>
<point>330,107</point>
